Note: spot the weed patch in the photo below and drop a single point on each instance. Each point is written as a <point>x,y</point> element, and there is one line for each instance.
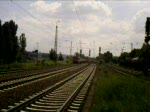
<point>117,93</point>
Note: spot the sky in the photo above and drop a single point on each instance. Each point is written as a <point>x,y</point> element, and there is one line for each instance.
<point>88,24</point>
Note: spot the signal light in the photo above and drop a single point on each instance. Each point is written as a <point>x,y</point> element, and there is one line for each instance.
<point>147,38</point>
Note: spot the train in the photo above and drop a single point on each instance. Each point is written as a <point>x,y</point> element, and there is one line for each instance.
<point>79,60</point>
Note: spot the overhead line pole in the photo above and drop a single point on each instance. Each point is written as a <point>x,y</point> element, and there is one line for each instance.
<point>55,44</point>
<point>71,49</point>
<point>131,46</point>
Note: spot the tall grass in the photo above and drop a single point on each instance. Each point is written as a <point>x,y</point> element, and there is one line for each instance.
<point>117,93</point>
<point>31,65</point>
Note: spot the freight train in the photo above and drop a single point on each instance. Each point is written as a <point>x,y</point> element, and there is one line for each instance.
<point>78,60</point>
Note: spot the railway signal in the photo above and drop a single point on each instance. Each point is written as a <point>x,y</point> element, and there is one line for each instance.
<point>89,52</point>
<point>147,30</point>
<point>147,38</point>
<point>99,50</point>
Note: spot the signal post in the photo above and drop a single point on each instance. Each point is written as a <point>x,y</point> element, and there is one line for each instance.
<point>147,38</point>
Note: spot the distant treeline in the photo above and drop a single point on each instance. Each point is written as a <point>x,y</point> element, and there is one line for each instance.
<point>137,58</point>
<point>12,48</point>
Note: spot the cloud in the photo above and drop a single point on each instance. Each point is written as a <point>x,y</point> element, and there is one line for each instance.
<point>92,23</point>
<point>43,7</point>
<point>88,21</point>
<point>139,20</point>
<point>94,6</point>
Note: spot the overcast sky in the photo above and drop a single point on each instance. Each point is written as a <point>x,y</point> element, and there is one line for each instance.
<point>111,25</point>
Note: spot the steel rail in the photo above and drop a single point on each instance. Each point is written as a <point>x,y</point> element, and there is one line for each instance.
<point>127,73</point>
<point>75,93</point>
<point>36,96</point>
<point>22,70</point>
<point>16,83</point>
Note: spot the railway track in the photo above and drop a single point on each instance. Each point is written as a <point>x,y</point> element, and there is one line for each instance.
<point>12,71</point>
<point>117,70</point>
<point>67,95</point>
<point>25,73</point>
<point>124,72</point>
<point>2,73</point>
<point>128,73</point>
<point>11,84</point>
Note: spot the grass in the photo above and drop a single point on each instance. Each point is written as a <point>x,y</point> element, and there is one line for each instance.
<point>117,93</point>
<point>31,65</point>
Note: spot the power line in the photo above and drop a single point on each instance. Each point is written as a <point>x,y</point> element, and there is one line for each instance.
<point>79,18</point>
<point>29,13</point>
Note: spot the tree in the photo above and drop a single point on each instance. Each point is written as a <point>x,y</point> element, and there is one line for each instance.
<point>145,54</point>
<point>77,54</point>
<point>53,55</point>
<point>115,59</point>
<point>145,51</point>
<point>22,43</point>
<point>123,57</point>
<point>134,53</point>
<point>60,57</point>
<point>108,57</point>
<point>9,41</point>
<point>82,55</point>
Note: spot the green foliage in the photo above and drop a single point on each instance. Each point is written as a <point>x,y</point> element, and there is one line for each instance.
<point>123,57</point>
<point>134,53</point>
<point>31,65</point>
<point>141,58</point>
<point>108,57</point>
<point>77,54</point>
<point>69,60</point>
<point>115,59</point>
<point>9,42</point>
<point>22,43</point>
<point>9,45</point>
<point>145,51</point>
<point>60,57</point>
<point>43,62</point>
<point>141,53</point>
<point>98,58</point>
<point>53,55</point>
<point>116,93</point>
